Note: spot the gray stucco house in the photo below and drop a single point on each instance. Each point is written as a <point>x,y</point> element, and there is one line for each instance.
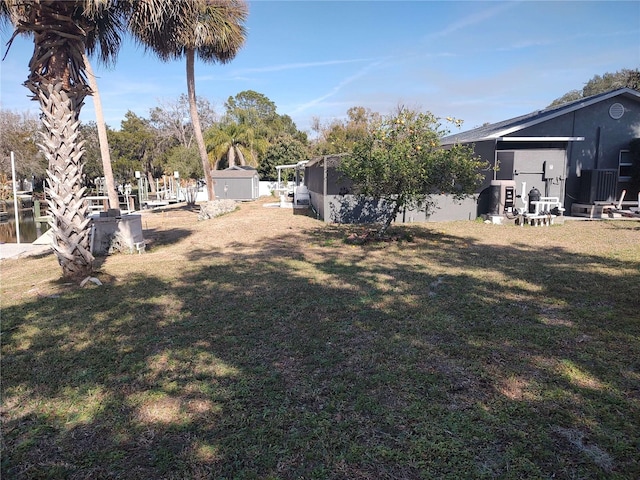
<point>577,152</point>
<point>236,183</point>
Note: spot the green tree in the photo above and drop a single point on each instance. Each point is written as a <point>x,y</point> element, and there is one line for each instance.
<point>401,163</point>
<point>135,147</point>
<point>92,158</point>
<point>19,134</point>
<point>212,29</point>
<point>601,84</point>
<point>184,160</point>
<point>284,151</point>
<point>250,108</point>
<point>260,114</point>
<point>341,136</point>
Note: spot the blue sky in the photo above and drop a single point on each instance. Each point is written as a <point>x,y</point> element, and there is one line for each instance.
<point>476,61</point>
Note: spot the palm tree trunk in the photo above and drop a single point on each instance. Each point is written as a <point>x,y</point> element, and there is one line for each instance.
<point>231,157</point>
<point>114,202</point>
<point>195,120</point>
<point>57,81</point>
<point>243,162</point>
<point>65,196</point>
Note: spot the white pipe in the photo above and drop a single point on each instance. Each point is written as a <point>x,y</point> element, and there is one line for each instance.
<point>15,196</point>
<point>619,206</point>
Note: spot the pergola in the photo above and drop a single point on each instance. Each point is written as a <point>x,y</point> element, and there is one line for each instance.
<point>296,166</point>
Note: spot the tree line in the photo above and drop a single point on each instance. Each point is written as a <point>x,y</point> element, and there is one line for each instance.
<point>248,132</point>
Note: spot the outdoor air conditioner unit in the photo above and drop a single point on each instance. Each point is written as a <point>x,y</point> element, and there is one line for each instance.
<point>598,186</point>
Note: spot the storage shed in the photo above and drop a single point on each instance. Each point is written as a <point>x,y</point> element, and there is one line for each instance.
<point>236,183</point>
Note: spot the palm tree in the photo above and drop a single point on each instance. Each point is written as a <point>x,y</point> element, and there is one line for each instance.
<point>62,32</point>
<point>110,184</point>
<point>211,28</point>
<point>235,142</point>
<point>230,142</point>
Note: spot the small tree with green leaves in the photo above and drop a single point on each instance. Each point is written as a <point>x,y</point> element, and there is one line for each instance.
<point>401,163</point>
<point>284,151</point>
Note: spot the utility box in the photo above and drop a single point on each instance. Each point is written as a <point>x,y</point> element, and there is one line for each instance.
<point>551,170</point>
<point>117,234</point>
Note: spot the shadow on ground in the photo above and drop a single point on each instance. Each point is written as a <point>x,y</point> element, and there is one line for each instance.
<point>436,358</point>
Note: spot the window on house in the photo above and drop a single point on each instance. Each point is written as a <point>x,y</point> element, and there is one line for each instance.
<point>625,165</point>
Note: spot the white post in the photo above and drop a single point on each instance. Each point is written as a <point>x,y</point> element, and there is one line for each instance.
<point>15,197</point>
<point>619,206</point>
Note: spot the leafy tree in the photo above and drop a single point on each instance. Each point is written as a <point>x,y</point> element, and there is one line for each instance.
<point>135,147</point>
<point>250,108</point>
<point>601,84</point>
<point>341,136</point>
<point>92,158</point>
<point>260,114</point>
<point>400,162</point>
<point>184,160</point>
<point>19,134</point>
<point>283,126</point>
<point>285,151</point>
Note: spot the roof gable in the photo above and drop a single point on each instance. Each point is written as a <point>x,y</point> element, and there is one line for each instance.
<point>235,173</point>
<point>513,125</point>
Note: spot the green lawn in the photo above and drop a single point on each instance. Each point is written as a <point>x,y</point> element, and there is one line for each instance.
<point>299,356</point>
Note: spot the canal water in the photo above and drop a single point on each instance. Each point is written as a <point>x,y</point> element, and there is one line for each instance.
<point>30,230</point>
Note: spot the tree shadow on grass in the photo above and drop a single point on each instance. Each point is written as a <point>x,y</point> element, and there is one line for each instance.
<point>301,357</point>
<point>159,237</point>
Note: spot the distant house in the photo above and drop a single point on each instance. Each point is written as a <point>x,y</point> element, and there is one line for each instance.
<point>236,183</point>
<point>578,152</point>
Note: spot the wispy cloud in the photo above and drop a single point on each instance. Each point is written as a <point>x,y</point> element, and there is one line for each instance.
<point>244,73</point>
<point>300,65</point>
<point>359,74</point>
<point>473,19</point>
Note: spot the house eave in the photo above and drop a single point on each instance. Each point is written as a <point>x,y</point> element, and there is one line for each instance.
<point>569,109</point>
<point>535,118</point>
<point>539,139</point>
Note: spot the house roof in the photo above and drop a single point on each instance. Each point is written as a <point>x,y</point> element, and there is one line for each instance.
<point>331,160</point>
<point>235,172</point>
<point>513,125</point>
